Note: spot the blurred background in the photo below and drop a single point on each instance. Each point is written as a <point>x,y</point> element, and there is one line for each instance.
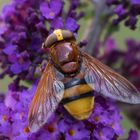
<point>120,36</point>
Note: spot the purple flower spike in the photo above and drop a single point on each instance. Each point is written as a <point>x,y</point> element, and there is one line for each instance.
<point>127,11</point>
<point>24,26</point>
<point>100,125</point>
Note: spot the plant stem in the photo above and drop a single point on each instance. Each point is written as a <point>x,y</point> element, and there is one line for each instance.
<point>100,20</point>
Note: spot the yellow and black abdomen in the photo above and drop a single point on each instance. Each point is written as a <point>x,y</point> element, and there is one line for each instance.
<point>78,99</point>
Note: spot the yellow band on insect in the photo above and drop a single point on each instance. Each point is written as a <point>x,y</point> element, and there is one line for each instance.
<point>59,35</point>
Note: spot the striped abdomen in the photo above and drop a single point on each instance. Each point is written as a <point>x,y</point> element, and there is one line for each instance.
<point>78,99</point>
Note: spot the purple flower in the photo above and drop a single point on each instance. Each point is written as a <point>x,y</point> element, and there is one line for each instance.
<point>11,99</point>
<point>9,50</point>
<point>74,130</point>
<point>131,22</point>
<point>5,128</point>
<point>135,1</point>
<point>14,114</point>
<point>107,118</point>
<point>57,23</point>
<point>101,124</point>
<point>21,64</point>
<point>71,24</point>
<point>2,26</point>
<point>127,63</point>
<point>23,28</point>
<point>110,46</point>
<point>120,11</point>
<point>133,135</point>
<point>24,25</point>
<point>77,134</point>
<point>128,59</point>
<point>127,11</point>
<point>51,10</point>
<point>103,133</point>
<point>21,132</point>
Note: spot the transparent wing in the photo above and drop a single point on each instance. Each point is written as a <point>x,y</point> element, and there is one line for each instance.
<point>48,94</point>
<point>109,83</point>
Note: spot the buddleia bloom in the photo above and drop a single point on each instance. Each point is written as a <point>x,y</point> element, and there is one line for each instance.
<point>126,10</point>
<point>128,59</point>
<point>103,124</point>
<point>24,25</point>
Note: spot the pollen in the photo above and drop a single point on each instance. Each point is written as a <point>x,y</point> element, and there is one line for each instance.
<point>5,118</point>
<point>26,130</point>
<point>71,132</point>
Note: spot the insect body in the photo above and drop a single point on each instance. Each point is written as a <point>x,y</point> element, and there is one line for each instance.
<point>79,75</point>
<point>78,98</point>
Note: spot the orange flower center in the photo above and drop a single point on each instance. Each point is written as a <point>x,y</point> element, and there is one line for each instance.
<point>112,125</point>
<point>96,118</point>
<point>51,14</point>
<point>26,130</point>
<point>71,132</point>
<point>51,129</point>
<point>5,118</point>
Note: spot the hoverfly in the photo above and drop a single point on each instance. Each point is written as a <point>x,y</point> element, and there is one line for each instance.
<point>70,78</point>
